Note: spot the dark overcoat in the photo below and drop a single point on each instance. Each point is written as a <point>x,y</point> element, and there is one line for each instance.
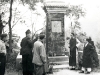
<point>87,56</point>
<point>72,57</point>
<point>26,46</point>
<point>26,52</point>
<point>94,57</point>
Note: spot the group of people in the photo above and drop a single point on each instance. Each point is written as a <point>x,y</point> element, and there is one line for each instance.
<point>89,58</point>
<point>33,54</point>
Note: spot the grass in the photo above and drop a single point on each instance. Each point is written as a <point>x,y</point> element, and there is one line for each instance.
<point>11,66</point>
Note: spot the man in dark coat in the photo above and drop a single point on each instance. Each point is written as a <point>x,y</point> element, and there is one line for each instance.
<point>87,61</point>
<point>94,57</point>
<point>26,52</point>
<point>72,57</point>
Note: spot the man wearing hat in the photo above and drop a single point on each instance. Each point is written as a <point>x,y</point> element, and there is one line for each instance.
<point>26,52</point>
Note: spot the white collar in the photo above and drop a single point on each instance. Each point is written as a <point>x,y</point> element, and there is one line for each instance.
<point>86,44</point>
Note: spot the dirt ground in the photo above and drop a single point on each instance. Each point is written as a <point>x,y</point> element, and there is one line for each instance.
<point>58,72</point>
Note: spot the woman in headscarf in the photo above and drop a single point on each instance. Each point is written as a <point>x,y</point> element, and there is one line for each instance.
<point>95,60</point>
<point>88,59</point>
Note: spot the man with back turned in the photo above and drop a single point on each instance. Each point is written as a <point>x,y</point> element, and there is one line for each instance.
<point>26,52</point>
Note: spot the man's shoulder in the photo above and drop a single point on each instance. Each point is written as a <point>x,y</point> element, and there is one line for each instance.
<point>25,38</point>
<point>1,42</point>
<point>38,43</point>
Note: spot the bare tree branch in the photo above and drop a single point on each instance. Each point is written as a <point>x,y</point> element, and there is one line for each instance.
<point>18,19</point>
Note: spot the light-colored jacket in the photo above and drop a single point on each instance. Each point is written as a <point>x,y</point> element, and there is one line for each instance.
<point>2,47</point>
<point>39,53</point>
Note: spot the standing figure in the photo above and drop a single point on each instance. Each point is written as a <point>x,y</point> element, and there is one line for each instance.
<point>3,53</point>
<point>1,25</point>
<point>39,55</point>
<point>94,57</point>
<point>26,52</point>
<point>72,57</point>
<point>88,54</point>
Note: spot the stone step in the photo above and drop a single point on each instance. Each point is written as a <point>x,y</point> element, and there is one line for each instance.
<point>60,66</point>
<point>58,58</point>
<point>59,63</point>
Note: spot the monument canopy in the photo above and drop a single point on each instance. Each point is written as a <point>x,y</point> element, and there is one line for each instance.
<point>54,3</point>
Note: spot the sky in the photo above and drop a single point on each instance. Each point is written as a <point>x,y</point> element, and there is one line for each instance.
<point>90,23</point>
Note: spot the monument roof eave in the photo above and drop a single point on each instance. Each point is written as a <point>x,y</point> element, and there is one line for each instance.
<point>55,4</point>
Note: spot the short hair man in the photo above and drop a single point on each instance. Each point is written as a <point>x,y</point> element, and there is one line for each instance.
<point>39,57</point>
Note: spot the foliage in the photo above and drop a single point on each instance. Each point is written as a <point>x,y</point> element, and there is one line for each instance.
<point>31,3</point>
<point>74,13</point>
<point>5,0</point>
<point>11,63</point>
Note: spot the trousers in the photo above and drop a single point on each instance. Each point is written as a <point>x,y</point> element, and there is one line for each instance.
<point>2,63</point>
<point>27,65</point>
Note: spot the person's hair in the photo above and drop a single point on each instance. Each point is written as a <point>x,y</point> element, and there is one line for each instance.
<point>28,32</point>
<point>3,36</point>
<point>73,34</point>
<point>41,36</point>
<point>89,39</point>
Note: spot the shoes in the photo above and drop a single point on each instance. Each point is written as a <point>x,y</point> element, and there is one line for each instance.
<point>87,73</point>
<point>72,69</point>
<point>81,72</point>
<point>84,72</point>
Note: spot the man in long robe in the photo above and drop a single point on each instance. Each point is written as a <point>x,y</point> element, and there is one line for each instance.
<point>72,57</point>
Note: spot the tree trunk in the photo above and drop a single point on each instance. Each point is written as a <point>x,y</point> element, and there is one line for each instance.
<point>10,30</point>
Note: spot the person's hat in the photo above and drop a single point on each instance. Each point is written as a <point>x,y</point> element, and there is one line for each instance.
<point>28,31</point>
